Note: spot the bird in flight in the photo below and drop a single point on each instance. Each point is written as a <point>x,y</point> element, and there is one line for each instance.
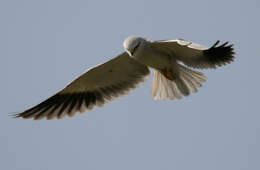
<point>172,78</point>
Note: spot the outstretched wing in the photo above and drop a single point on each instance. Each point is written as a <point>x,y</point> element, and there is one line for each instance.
<point>95,87</point>
<point>195,55</point>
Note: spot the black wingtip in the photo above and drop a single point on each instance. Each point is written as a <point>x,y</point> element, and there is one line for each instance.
<point>19,115</point>
<point>216,43</point>
<point>14,114</point>
<point>220,55</point>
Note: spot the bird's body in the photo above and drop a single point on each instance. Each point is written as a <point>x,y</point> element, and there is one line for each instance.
<point>119,75</point>
<point>147,55</point>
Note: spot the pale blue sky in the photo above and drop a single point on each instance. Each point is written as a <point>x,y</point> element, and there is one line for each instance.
<point>46,44</point>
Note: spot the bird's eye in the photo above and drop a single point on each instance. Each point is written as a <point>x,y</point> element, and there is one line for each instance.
<point>135,48</point>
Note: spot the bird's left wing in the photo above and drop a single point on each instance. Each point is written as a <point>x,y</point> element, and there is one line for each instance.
<point>195,55</point>
<point>95,87</point>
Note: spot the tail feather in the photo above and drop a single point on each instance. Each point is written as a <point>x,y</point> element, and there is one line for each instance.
<point>182,86</point>
<point>190,83</point>
<point>172,90</point>
<point>195,74</point>
<point>183,83</point>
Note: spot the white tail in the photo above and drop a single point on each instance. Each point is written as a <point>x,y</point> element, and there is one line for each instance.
<point>186,81</point>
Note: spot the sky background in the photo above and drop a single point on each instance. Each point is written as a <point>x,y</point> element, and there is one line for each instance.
<point>46,44</point>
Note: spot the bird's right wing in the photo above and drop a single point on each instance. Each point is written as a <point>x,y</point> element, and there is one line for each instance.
<point>95,87</point>
<point>195,55</point>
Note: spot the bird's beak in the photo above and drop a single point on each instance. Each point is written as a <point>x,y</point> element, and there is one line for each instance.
<point>129,53</point>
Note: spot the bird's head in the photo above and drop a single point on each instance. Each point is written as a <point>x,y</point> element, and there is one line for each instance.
<point>133,44</point>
